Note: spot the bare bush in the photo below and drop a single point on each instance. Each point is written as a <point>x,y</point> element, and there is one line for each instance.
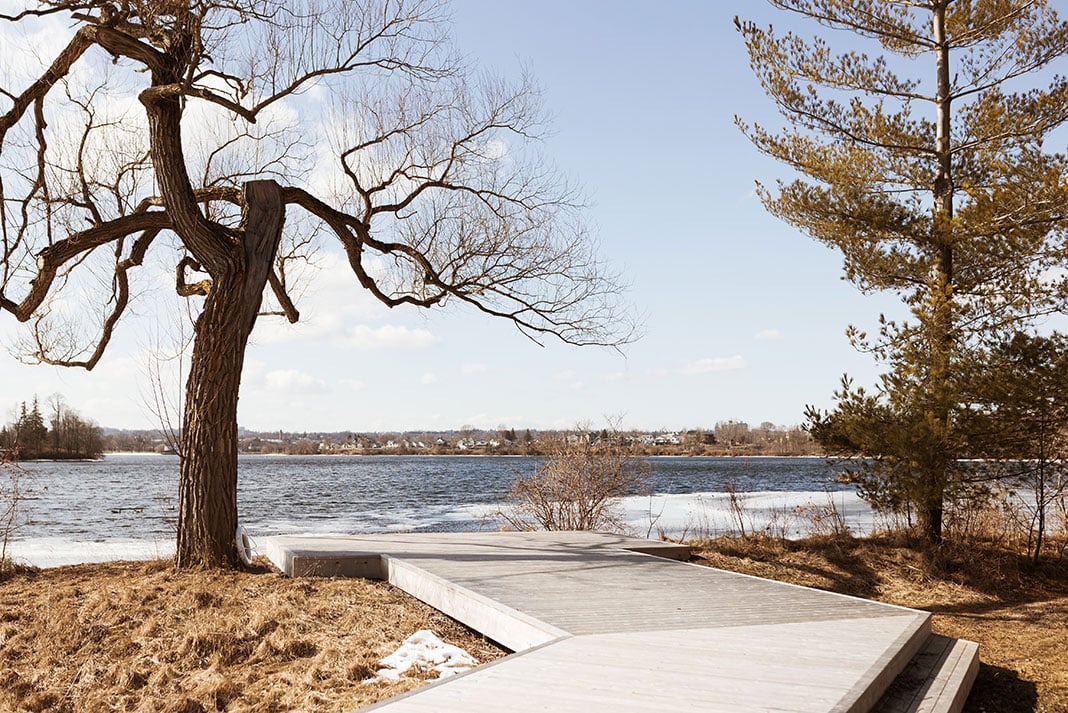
<point>737,509</point>
<point>12,510</point>
<point>578,486</point>
<point>824,519</point>
<point>1061,505</point>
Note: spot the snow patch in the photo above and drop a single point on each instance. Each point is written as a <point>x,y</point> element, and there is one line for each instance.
<point>60,551</point>
<point>425,652</point>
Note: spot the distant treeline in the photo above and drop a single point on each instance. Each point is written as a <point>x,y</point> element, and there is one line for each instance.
<point>65,434</point>
<point>725,438</point>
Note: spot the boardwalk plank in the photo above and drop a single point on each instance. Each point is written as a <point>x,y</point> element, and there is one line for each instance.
<point>602,628</point>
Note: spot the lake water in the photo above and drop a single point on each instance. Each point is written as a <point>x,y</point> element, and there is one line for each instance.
<point>124,505</point>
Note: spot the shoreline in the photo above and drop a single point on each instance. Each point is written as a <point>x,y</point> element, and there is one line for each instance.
<point>790,514</point>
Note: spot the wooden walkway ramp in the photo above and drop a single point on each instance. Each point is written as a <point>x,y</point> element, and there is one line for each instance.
<point>602,623</point>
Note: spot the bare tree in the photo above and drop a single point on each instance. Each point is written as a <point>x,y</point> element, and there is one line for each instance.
<point>165,128</point>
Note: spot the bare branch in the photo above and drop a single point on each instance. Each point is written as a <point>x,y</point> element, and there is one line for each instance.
<point>120,299</point>
<point>51,258</point>
<point>186,289</point>
<point>82,40</point>
<point>289,310</point>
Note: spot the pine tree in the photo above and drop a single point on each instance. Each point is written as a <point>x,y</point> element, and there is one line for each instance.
<point>923,163</point>
<point>30,431</point>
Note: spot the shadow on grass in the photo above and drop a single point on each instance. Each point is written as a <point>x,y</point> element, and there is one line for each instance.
<point>831,564</point>
<point>1049,609</point>
<point>997,572</point>
<point>1002,690</point>
<point>856,566</point>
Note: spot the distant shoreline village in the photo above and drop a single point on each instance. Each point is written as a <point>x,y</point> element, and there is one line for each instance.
<point>729,438</point>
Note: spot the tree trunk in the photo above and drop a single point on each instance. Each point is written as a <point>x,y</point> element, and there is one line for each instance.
<point>207,491</point>
<point>931,519</point>
<point>1040,505</point>
<point>942,306</point>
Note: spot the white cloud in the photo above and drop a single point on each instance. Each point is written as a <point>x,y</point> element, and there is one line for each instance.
<point>290,380</point>
<point>353,384</point>
<point>331,299</point>
<point>474,368</point>
<point>708,366</point>
<point>768,335</point>
<point>1053,276</point>
<point>33,43</point>
<point>490,422</point>
<point>615,377</point>
<point>494,150</point>
<point>570,379</point>
<point>275,330</point>
<point>429,378</point>
<point>388,336</point>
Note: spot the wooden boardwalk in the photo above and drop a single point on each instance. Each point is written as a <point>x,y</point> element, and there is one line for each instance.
<point>599,623</point>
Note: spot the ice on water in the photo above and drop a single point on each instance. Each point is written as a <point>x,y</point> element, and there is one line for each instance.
<point>118,508</point>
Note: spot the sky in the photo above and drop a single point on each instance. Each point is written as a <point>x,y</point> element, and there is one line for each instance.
<point>743,317</point>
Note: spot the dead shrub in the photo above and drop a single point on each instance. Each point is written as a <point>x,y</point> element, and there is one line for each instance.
<point>12,507</point>
<point>579,485</point>
<point>824,520</point>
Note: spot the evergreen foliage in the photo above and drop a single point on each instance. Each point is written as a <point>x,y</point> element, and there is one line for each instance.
<point>924,164</point>
<point>70,436</point>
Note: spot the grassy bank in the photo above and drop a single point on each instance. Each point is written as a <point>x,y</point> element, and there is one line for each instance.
<point>143,637</point>
<point>1016,612</point>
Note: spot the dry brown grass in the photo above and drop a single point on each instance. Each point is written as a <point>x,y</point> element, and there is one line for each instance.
<point>144,637</point>
<point>126,636</point>
<point>1017,613</point>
